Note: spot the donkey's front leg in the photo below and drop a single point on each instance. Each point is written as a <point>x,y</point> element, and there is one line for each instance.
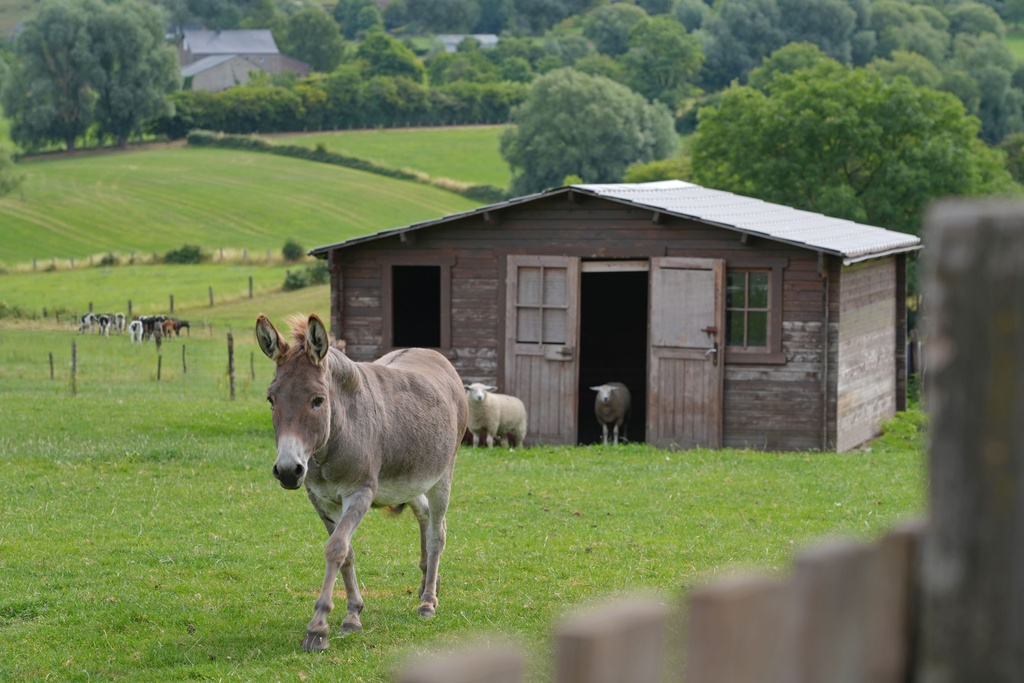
<point>340,558</point>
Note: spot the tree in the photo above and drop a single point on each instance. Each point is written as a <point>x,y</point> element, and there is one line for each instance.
<point>382,55</point>
<point>48,96</point>
<point>350,16</point>
<point>314,38</point>
<point>736,38</point>
<point>912,28</point>
<point>663,60</point>
<point>846,142</point>
<point>135,69</point>
<point>443,16</point>
<point>575,124</point>
<point>608,27</point>
<point>829,24</point>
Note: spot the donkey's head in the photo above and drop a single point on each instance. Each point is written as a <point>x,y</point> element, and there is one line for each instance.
<point>299,395</point>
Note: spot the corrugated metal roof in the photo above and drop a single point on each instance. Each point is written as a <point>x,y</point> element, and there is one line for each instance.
<point>836,236</point>
<point>239,41</point>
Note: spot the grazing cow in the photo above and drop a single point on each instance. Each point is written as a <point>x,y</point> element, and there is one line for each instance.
<point>167,327</point>
<point>135,332</point>
<point>88,320</point>
<point>179,324</point>
<point>119,323</point>
<point>105,320</point>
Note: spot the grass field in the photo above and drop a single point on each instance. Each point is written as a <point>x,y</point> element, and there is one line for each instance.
<point>160,199</point>
<point>142,536</point>
<point>468,154</point>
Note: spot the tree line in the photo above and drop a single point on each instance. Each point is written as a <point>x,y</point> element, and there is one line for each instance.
<point>864,109</point>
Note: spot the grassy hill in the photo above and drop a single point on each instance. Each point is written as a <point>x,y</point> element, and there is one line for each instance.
<point>469,154</point>
<point>159,199</point>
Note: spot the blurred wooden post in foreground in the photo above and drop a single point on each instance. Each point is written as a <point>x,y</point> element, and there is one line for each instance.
<point>621,643</point>
<point>973,563</point>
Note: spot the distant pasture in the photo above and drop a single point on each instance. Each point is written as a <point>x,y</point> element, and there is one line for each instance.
<point>158,199</point>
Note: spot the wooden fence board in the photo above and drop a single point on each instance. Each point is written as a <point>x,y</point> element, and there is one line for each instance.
<point>972,577</point>
<point>831,585</point>
<point>620,643</point>
<point>486,665</point>
<point>741,630</point>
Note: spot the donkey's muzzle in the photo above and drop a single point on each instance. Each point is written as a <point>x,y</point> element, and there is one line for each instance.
<point>290,467</point>
<point>290,475</point>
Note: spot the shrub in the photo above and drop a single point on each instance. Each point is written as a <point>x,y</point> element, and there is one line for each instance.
<point>292,251</point>
<point>189,253</point>
<point>109,260</point>
<point>316,274</point>
<point>295,279</point>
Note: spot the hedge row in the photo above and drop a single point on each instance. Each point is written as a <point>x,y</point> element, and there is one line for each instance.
<point>487,194</point>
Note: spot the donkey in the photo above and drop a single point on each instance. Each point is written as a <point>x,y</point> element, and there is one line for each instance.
<point>362,435</point>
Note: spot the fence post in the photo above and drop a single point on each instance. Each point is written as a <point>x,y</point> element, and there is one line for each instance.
<point>172,303</point>
<point>184,368</point>
<point>972,574</point>
<point>250,286</point>
<point>74,369</point>
<point>231,364</point>
<point>481,666</point>
<point>619,643</point>
<point>741,630</point>
<point>252,365</point>
<point>159,365</point>
<point>211,297</point>
<point>51,364</point>
<point>129,309</point>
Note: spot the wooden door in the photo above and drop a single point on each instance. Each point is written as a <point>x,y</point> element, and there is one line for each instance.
<point>687,326</point>
<point>541,330</point>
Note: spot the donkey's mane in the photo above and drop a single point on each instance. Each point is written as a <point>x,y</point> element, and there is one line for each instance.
<point>299,325</point>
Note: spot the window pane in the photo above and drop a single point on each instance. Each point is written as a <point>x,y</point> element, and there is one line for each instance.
<point>757,333</point>
<point>529,287</point>
<point>555,280</point>
<point>554,325</point>
<point>528,325</point>
<point>735,290</point>
<point>758,290</point>
<point>734,328</point>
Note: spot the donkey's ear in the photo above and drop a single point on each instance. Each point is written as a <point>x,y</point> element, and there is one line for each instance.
<point>317,341</point>
<point>269,339</point>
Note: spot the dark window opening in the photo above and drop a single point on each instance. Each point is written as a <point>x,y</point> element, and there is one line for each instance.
<point>416,306</point>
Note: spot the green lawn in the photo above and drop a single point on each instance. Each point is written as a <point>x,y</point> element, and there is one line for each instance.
<point>468,154</point>
<point>160,199</point>
<point>1014,40</point>
<point>142,536</point>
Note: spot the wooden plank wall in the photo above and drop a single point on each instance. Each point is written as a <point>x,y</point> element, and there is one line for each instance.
<point>866,391</point>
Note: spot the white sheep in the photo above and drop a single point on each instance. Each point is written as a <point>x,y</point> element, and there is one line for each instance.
<point>612,408</point>
<point>494,414</point>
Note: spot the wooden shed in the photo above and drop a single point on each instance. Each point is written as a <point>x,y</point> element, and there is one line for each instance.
<point>734,322</point>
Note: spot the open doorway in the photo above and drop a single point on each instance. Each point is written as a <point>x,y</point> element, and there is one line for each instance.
<point>613,342</point>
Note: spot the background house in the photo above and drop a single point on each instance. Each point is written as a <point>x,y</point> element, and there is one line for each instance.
<point>735,322</point>
<point>216,60</point>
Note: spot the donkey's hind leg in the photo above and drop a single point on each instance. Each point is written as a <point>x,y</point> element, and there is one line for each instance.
<point>421,508</point>
<point>434,542</point>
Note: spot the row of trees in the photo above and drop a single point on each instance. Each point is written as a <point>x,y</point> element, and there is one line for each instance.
<point>881,107</point>
<point>88,64</point>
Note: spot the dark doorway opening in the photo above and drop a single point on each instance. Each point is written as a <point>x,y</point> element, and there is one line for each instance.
<point>613,347</point>
<point>416,306</point>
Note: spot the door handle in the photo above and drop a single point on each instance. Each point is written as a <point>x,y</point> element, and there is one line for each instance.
<point>712,353</point>
<point>560,353</point>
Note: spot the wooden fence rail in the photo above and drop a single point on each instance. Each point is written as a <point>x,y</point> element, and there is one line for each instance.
<point>940,601</point>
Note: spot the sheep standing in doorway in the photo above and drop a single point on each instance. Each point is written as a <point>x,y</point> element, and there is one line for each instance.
<point>612,408</point>
<point>495,415</point>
